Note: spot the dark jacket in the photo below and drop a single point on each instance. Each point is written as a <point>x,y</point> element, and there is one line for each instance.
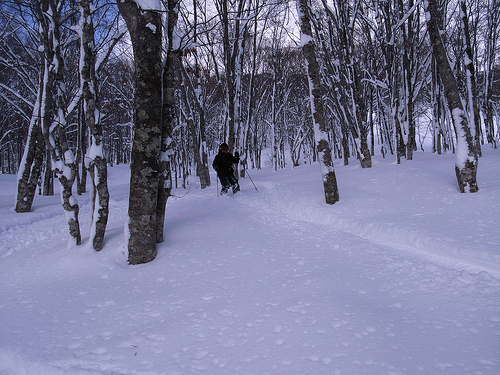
<point>223,163</point>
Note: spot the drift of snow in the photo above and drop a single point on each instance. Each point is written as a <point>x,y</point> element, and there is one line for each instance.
<point>402,276</point>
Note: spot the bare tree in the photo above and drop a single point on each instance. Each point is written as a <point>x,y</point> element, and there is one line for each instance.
<point>53,110</point>
<point>144,27</point>
<point>316,100</point>
<point>467,158</point>
<point>193,93</point>
<point>168,116</point>
<point>97,165</point>
<point>491,51</point>
<point>472,100</point>
<point>21,88</point>
<point>347,77</point>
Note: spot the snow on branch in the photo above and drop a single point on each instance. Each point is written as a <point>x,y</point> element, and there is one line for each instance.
<point>407,15</point>
<point>154,5</point>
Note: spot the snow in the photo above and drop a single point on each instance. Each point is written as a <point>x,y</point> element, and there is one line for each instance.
<point>152,27</point>
<point>176,39</point>
<point>93,153</point>
<point>402,276</point>
<point>69,157</point>
<point>462,147</point>
<point>305,39</point>
<point>149,4</point>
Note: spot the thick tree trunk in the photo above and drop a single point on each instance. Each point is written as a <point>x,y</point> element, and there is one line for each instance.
<point>145,32</point>
<point>467,158</point>
<point>316,100</point>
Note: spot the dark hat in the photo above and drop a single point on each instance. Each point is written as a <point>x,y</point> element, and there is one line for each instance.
<point>224,146</point>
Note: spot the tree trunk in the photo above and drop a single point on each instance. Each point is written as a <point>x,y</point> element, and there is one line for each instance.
<point>361,118</point>
<point>316,100</point>
<point>48,176</point>
<point>467,158</point>
<point>202,169</point>
<point>145,32</point>
<point>91,119</point>
<point>53,112</point>
<point>471,83</point>
<point>31,164</point>
<point>493,34</point>
<point>167,120</point>
<point>195,120</point>
<point>81,150</point>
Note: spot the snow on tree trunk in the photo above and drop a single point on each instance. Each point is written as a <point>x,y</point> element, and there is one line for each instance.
<point>144,26</point>
<point>167,117</point>
<point>347,81</point>
<point>473,108</point>
<point>490,75</point>
<point>195,122</point>
<point>53,112</point>
<point>31,163</point>
<point>96,163</point>
<point>200,98</point>
<point>466,157</point>
<point>319,124</point>
<point>361,118</point>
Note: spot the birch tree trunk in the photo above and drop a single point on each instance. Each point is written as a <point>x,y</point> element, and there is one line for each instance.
<point>144,26</point>
<point>81,149</point>
<point>31,162</point>
<point>167,118</point>
<point>96,162</point>
<point>321,136</point>
<point>194,95</point>
<point>199,98</point>
<point>466,158</point>
<point>233,63</point>
<point>53,111</point>
<point>348,88</point>
<point>492,36</point>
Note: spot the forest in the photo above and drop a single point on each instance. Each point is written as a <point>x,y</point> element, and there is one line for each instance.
<point>159,84</point>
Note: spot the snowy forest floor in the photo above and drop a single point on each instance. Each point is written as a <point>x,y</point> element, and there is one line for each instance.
<point>402,276</point>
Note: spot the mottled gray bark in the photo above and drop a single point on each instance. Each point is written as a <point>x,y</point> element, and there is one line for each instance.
<point>145,32</point>
<point>53,110</point>
<point>167,122</point>
<point>322,145</point>
<point>96,162</point>
<point>467,158</point>
<point>30,170</point>
<point>471,82</point>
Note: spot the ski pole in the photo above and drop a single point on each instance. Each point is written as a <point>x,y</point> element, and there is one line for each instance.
<point>251,180</point>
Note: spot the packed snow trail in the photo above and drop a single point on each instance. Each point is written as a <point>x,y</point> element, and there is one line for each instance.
<point>256,283</point>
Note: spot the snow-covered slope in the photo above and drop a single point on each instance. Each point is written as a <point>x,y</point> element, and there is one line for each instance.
<point>402,276</point>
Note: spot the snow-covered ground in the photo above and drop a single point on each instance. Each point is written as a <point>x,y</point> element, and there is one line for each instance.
<point>402,276</point>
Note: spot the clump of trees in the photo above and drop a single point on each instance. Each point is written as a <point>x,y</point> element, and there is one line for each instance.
<point>89,83</point>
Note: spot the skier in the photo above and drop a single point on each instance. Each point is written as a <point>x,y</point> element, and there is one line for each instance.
<point>223,165</point>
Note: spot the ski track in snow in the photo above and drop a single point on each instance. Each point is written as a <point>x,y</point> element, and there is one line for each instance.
<point>435,249</point>
<point>267,282</point>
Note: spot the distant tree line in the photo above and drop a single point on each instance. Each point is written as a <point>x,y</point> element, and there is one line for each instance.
<point>282,82</point>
